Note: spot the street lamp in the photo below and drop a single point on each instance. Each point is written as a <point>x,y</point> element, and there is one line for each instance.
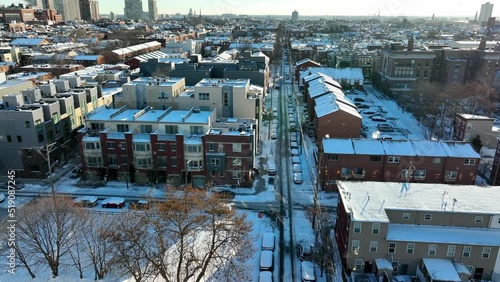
<point>186,174</point>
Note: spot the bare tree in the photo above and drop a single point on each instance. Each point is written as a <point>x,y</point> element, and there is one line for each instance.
<point>96,236</point>
<point>46,230</point>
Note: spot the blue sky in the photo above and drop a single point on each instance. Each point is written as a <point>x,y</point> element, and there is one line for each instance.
<point>313,7</point>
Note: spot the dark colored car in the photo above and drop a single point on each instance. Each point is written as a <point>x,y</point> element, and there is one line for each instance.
<point>227,195</point>
<point>114,202</point>
<point>140,205</point>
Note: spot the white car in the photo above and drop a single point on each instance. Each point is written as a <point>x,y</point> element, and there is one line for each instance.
<point>297,178</point>
<point>297,168</point>
<point>86,201</point>
<point>295,152</point>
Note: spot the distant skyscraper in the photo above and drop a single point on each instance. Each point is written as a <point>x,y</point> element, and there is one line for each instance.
<point>41,4</point>
<point>89,10</point>
<point>190,14</point>
<point>485,13</point>
<point>133,9</point>
<point>69,9</point>
<point>153,10</point>
<point>112,16</point>
<point>295,16</point>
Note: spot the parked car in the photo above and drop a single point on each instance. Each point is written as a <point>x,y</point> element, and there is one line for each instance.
<point>307,271</point>
<point>140,205</point>
<point>225,194</point>
<point>76,172</point>
<point>379,118</point>
<point>304,250</point>
<point>13,185</point>
<point>274,135</point>
<point>113,202</point>
<point>265,276</point>
<point>266,260</point>
<point>295,160</point>
<point>294,145</point>
<point>295,152</point>
<point>86,201</point>
<point>297,168</point>
<point>297,178</point>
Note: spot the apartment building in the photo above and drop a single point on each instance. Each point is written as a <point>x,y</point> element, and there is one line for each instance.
<point>467,127</point>
<point>156,92</point>
<point>424,230</point>
<point>172,146</point>
<point>397,160</point>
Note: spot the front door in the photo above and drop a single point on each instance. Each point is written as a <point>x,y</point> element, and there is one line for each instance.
<point>478,273</point>
<point>368,266</point>
<point>404,269</point>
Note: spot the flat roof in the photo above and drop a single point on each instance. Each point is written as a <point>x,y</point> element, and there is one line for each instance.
<point>367,200</point>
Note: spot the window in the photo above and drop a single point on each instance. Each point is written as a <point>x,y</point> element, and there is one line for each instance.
<point>221,173</point>
<point>236,174</point>
<point>427,217</point>
<point>142,147</point>
<point>124,160</point>
<point>215,162</point>
<point>333,157</point>
<point>432,250</point>
<point>211,147</point>
<point>112,161</point>
<point>486,253</point>
<point>174,161</point>
<point>478,219</point>
<point>393,160</point>
<point>55,118</point>
<point>226,99</point>
<point>92,146</point>
<point>451,251</point>
<point>357,227</point>
<point>470,268</point>
<point>94,161</point>
<point>196,129</point>
<point>27,124</point>
<point>419,174</point>
<point>162,162</point>
<point>204,96</point>
<point>375,158</point>
<point>111,145</point>
<point>9,138</point>
<point>391,249</point>
<point>410,248</point>
<point>161,146</point>
<point>469,162</point>
<point>345,171</point>
<point>171,129</point>
<point>359,171</point>
<point>406,215</point>
<point>122,128</point>
<point>236,161</point>
<point>373,246</point>
<point>466,252</point>
<point>146,128</point>
<point>376,228</point>
<point>237,147</point>
<point>395,265</point>
<point>355,246</point>
<point>358,264</point>
<point>123,145</point>
<point>19,139</point>
<point>193,148</point>
<point>143,162</point>
<point>173,147</point>
<point>436,161</point>
<point>450,175</point>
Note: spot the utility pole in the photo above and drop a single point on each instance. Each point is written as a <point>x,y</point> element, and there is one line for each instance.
<point>49,148</point>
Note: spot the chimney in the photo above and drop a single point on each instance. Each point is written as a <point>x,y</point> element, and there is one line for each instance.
<point>410,44</point>
<point>482,44</point>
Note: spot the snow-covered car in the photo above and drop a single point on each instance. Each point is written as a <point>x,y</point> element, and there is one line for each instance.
<point>86,201</point>
<point>297,178</point>
<point>113,202</point>
<point>139,205</point>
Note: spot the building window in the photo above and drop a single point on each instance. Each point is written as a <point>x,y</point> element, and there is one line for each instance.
<point>410,248</point>
<point>419,174</point>
<point>469,162</point>
<point>432,250</point>
<point>221,173</point>
<point>211,147</point>
<point>111,145</point>
<point>122,128</point>
<point>427,217</point>
<point>193,148</point>
<point>451,175</point>
<point>333,157</point>
<point>162,162</point>
<point>451,251</point>
<point>376,228</point>
<point>358,264</point>
<point>470,268</point>
<point>123,145</point>
<point>395,265</point>
<point>112,161</point>
<point>161,146</point>
<point>237,147</point>
<point>355,246</point>
<point>142,147</point>
<point>406,215</point>
<point>357,227</point>
<point>393,160</point>
<point>236,161</point>
<point>27,124</point>
<point>174,161</point>
<point>204,96</point>
<point>19,139</point>
<point>92,146</point>
<point>171,129</point>
<point>173,147</point>
<point>124,160</point>
<point>486,253</point>
<point>215,162</point>
<point>478,219</point>
<point>146,128</point>
<point>236,174</point>
<point>466,252</point>
<point>93,161</point>
<point>9,138</point>
<point>143,162</point>
<point>373,246</point>
<point>196,129</point>
<point>375,158</point>
<point>391,249</point>
<point>436,161</point>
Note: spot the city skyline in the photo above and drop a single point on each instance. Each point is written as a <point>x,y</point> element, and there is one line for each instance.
<point>310,8</point>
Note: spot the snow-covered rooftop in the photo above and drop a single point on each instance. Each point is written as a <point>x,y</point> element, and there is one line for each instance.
<point>441,270</point>
<point>367,201</point>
